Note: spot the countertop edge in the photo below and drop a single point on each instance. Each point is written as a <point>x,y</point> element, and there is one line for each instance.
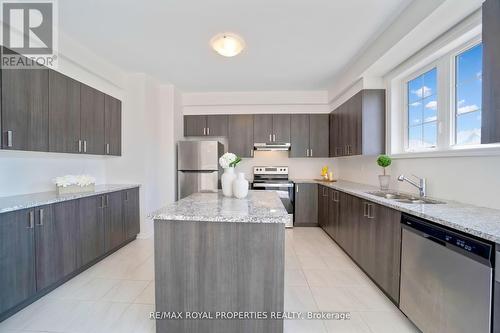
<point>411,209</point>
<point>57,199</point>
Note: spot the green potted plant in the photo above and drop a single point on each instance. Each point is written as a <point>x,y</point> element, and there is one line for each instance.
<point>384,161</point>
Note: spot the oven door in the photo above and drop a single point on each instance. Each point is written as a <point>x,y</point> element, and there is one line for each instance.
<point>285,192</point>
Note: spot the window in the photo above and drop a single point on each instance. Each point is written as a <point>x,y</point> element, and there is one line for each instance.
<point>468,96</point>
<point>436,101</point>
<point>422,110</point>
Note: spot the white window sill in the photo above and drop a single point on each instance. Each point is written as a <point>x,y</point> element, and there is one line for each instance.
<point>493,150</point>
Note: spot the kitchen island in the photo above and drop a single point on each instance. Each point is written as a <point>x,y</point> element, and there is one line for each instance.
<point>219,264</point>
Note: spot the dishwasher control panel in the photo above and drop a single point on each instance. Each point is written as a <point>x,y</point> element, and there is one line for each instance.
<point>447,237</point>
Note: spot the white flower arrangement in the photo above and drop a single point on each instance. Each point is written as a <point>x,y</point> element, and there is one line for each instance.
<point>229,160</point>
<point>77,180</point>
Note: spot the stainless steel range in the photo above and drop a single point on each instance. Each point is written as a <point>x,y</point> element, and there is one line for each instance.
<point>276,179</point>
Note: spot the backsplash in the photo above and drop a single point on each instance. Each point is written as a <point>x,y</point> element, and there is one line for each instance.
<point>472,180</point>
<point>299,168</point>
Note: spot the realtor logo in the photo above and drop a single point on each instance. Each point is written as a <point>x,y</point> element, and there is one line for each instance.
<point>28,34</point>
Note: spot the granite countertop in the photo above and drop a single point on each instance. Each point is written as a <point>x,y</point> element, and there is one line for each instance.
<point>18,202</point>
<point>257,207</point>
<point>473,220</point>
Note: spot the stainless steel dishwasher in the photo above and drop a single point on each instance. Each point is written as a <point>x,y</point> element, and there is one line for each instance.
<point>446,279</point>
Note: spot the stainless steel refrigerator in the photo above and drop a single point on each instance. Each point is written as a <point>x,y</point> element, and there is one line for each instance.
<point>198,167</point>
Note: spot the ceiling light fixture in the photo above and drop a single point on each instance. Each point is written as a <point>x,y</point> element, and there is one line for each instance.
<point>227,44</point>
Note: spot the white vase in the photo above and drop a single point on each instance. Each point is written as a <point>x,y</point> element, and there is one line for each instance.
<point>240,186</point>
<point>385,181</point>
<point>226,180</point>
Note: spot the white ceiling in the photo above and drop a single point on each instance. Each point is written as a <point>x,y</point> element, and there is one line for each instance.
<point>291,44</point>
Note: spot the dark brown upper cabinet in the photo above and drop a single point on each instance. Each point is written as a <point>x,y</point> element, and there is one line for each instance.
<point>64,114</point>
<point>205,125</point>
<point>309,135</point>
<point>25,109</point>
<point>92,120</point>
<point>195,125</point>
<point>299,129</point>
<point>357,127</point>
<point>240,135</point>
<point>319,135</point>
<point>217,125</point>
<point>271,128</point>
<point>263,128</point>
<point>490,118</point>
<point>281,128</point>
<point>112,127</point>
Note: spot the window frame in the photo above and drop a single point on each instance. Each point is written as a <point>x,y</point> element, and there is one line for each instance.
<point>453,94</point>
<point>405,118</point>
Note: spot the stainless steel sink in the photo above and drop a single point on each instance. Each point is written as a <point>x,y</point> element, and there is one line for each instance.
<point>404,198</point>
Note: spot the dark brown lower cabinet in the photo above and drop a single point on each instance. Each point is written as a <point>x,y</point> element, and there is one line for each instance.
<point>332,228</point>
<point>91,229</point>
<point>113,220</point>
<point>56,238</point>
<point>131,213</point>
<point>386,240</point>
<point>43,246</point>
<point>371,235</point>
<point>323,207</point>
<point>17,258</point>
<point>306,205</point>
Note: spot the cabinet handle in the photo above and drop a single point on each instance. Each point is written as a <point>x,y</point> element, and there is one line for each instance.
<point>311,152</point>
<point>84,146</point>
<point>102,202</point>
<point>107,200</point>
<point>371,211</point>
<point>270,138</point>
<point>307,152</point>
<point>204,131</point>
<point>274,137</point>
<point>366,211</point>
<point>31,220</point>
<point>107,148</point>
<point>10,135</point>
<point>126,195</point>
<point>336,196</point>
<point>297,188</point>
<point>208,130</point>
<point>41,215</point>
<point>79,146</point>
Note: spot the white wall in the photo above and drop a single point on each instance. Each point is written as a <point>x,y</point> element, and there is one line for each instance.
<point>473,180</point>
<point>148,150</point>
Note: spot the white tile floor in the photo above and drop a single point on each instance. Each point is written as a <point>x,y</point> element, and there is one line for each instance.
<point>117,294</point>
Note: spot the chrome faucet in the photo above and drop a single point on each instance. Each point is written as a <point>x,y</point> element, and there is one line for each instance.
<point>421,185</point>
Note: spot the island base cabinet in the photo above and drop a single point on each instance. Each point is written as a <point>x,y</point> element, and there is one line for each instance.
<point>218,266</point>
<point>17,258</point>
